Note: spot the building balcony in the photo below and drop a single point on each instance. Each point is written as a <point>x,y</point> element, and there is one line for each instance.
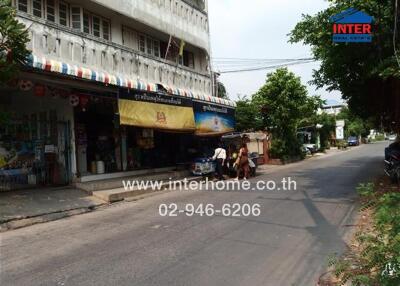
<point>184,19</point>
<point>76,49</point>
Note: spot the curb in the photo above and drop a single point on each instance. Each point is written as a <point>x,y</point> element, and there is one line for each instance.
<point>121,194</point>
<point>28,221</point>
<point>17,223</point>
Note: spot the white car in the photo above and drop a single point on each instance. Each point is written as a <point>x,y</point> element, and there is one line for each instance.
<point>392,137</point>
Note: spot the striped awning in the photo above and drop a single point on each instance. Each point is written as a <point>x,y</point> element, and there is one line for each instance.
<point>198,96</point>
<point>45,64</point>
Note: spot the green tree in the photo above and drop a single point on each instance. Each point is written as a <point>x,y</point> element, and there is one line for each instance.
<point>283,104</point>
<point>352,68</point>
<point>327,125</point>
<point>247,116</point>
<point>13,39</point>
<point>328,128</point>
<point>354,125</point>
<point>222,91</point>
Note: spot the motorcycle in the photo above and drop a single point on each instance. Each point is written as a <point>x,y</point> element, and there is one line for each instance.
<point>392,166</point>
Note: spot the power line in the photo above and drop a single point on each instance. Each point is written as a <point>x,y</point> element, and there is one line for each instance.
<point>235,65</point>
<point>259,59</point>
<point>266,67</point>
<point>256,63</point>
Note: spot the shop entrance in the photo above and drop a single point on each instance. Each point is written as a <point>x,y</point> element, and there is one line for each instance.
<point>149,148</point>
<point>34,152</point>
<point>97,134</point>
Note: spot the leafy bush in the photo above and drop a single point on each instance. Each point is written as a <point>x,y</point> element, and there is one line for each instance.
<point>285,149</point>
<point>378,262</point>
<point>341,144</point>
<point>379,137</point>
<point>277,149</point>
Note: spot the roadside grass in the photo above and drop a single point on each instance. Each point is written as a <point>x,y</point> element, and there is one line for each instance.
<point>379,138</point>
<point>373,255</point>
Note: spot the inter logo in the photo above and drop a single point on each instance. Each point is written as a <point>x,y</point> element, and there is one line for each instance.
<point>352,26</point>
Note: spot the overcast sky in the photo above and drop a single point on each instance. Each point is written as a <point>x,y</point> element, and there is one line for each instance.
<point>258,29</point>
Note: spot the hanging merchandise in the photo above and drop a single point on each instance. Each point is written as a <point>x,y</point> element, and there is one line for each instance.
<point>145,139</point>
<point>25,85</point>
<point>83,101</point>
<point>74,100</point>
<point>40,90</point>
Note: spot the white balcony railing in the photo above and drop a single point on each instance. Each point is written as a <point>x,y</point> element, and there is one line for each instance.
<point>75,48</point>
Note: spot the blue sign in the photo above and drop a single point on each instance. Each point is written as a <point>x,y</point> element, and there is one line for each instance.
<point>352,26</point>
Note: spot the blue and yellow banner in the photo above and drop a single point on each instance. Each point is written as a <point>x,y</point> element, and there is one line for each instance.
<point>213,119</point>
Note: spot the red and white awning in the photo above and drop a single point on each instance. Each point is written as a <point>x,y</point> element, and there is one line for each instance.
<point>45,64</point>
<point>198,96</point>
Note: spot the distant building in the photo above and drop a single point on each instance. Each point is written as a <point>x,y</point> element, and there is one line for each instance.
<point>332,109</point>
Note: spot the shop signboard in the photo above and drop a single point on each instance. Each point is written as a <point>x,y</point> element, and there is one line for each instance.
<point>340,129</point>
<point>156,111</point>
<point>213,119</point>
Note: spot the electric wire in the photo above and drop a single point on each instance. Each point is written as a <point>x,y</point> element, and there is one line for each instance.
<point>236,65</point>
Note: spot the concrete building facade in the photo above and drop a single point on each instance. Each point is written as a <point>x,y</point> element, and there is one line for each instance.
<point>137,39</point>
<point>112,87</point>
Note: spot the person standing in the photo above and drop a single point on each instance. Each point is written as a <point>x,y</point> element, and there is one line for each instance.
<point>243,162</point>
<point>219,158</point>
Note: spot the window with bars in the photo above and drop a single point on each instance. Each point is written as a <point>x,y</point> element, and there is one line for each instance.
<point>37,8</point>
<point>74,16</point>
<point>96,26</point>
<point>156,48</point>
<point>62,14</point>
<point>149,45</point>
<point>22,5</point>
<point>86,22</point>
<point>76,20</point>
<point>99,27</point>
<point>106,30</point>
<point>50,11</point>
<point>188,59</point>
<point>142,43</point>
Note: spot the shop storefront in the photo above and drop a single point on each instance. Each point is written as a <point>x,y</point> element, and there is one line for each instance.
<point>137,130</point>
<point>56,135</point>
<point>132,131</point>
<point>85,125</point>
<point>34,137</point>
<point>159,129</point>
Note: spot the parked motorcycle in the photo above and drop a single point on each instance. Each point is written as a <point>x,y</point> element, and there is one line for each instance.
<point>392,165</point>
<point>253,163</point>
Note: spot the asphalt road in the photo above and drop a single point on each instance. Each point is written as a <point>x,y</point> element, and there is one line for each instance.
<point>131,244</point>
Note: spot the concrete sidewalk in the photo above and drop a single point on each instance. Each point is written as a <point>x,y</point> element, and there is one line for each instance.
<point>26,207</point>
